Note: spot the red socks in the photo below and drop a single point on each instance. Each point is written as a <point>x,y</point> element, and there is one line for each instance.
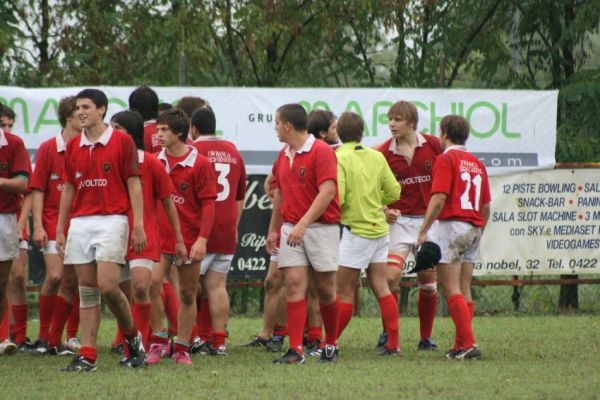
<point>427,308</point>
<point>62,310</point>
<point>218,339</point>
<point>390,316</point>
<point>395,295</point>
<point>89,353</point>
<point>46,311</point>
<point>4,323</point>
<point>471,306</point>
<point>204,321</point>
<point>329,314</point>
<point>296,313</point>
<point>73,321</point>
<point>141,316</point>
<point>345,312</point>
<point>280,330</point>
<point>20,323</point>
<point>171,304</point>
<point>461,316</point>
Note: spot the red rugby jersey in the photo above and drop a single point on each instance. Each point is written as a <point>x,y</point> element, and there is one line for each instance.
<point>463,177</point>
<point>13,159</point>
<point>299,180</point>
<point>151,142</point>
<point>414,178</point>
<point>231,188</point>
<point>195,183</point>
<point>156,186</point>
<point>48,177</point>
<point>99,171</point>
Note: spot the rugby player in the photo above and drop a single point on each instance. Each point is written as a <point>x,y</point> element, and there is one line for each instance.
<point>410,155</point>
<point>306,172</point>
<point>102,184</point>
<point>366,184</point>
<point>144,100</point>
<point>460,201</point>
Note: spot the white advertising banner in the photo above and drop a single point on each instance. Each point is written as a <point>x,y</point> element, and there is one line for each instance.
<point>543,222</point>
<point>511,130</point>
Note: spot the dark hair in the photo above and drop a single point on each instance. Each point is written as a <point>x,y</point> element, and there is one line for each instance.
<point>204,121</point>
<point>177,121</point>
<point>66,108</point>
<point>162,107</point>
<point>189,104</point>
<point>456,127</point>
<point>406,111</point>
<point>6,111</point>
<point>350,127</point>
<point>132,122</point>
<point>144,100</point>
<point>319,121</point>
<point>295,114</point>
<point>96,96</point>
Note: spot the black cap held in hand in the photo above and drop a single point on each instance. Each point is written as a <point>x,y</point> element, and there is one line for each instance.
<point>428,255</point>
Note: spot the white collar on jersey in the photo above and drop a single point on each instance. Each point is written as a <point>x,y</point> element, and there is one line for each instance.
<point>420,141</point>
<point>306,147</point>
<point>3,141</point>
<point>103,139</point>
<point>60,143</point>
<point>460,147</point>
<point>149,122</point>
<point>189,161</point>
<point>141,156</point>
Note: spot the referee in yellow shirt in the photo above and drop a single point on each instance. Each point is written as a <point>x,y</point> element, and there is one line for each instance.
<point>366,184</point>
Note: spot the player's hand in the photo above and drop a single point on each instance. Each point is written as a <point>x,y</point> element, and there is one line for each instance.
<point>294,238</point>
<point>138,238</point>
<point>40,238</point>
<point>272,238</point>
<point>180,251</point>
<point>61,241</point>
<point>391,215</point>
<point>198,250</point>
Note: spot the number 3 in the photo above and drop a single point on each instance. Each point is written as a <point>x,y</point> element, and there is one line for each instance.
<point>465,199</point>
<point>223,170</point>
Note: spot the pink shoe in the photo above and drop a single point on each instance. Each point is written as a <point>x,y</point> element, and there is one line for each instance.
<point>156,352</point>
<point>181,357</point>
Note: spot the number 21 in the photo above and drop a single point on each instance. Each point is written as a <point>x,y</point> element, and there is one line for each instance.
<point>465,198</point>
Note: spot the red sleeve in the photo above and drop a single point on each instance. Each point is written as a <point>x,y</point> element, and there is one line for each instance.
<point>326,164</point>
<point>442,175</point>
<point>129,160</point>
<point>162,184</point>
<point>69,175</point>
<point>39,180</point>
<point>241,190</point>
<point>21,162</point>
<point>208,216</point>
<point>206,190</point>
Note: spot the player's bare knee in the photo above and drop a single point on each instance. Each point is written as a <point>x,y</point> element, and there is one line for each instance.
<point>188,296</point>
<point>141,292</point>
<point>52,281</point>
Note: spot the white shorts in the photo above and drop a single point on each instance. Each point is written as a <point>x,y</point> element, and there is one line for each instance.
<point>319,248</point>
<point>459,241</point>
<point>216,262</point>
<point>404,233</point>
<point>102,238</point>
<point>358,252</point>
<point>125,274</point>
<point>141,263</point>
<point>50,248</point>
<point>9,237</point>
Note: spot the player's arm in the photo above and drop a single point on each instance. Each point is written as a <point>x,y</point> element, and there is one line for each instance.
<point>171,211</point>
<point>389,186</point>
<point>317,208</point>
<point>485,213</point>
<point>138,236</point>
<point>434,208</point>
<point>341,176</point>
<point>66,203</point>
<point>40,237</point>
<point>275,223</point>
<point>17,184</point>
<point>267,184</point>
<point>198,250</point>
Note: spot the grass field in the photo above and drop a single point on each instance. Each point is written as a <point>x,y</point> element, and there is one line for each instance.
<point>552,357</point>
